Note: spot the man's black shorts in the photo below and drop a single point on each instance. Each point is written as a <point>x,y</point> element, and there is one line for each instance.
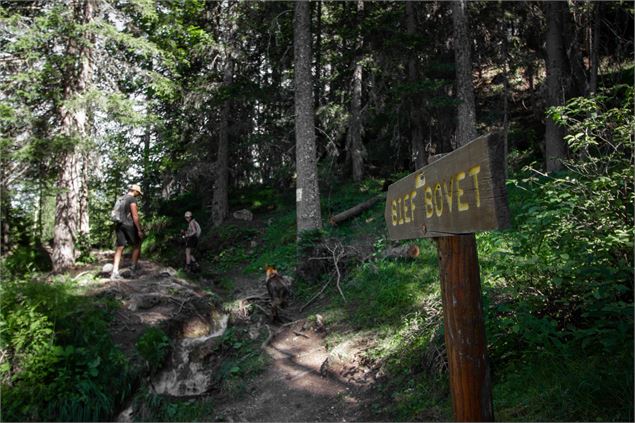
<point>191,241</point>
<point>127,235</point>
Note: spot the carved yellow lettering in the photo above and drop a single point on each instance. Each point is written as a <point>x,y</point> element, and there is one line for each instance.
<point>393,212</point>
<point>473,172</point>
<point>413,194</point>
<point>438,200</point>
<point>406,201</point>
<point>449,192</point>
<point>400,212</point>
<point>420,180</point>
<point>459,192</point>
<point>427,200</point>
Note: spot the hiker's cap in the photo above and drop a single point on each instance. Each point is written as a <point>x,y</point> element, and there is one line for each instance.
<point>188,214</point>
<point>137,188</point>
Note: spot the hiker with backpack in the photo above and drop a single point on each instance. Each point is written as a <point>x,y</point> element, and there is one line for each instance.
<point>125,215</point>
<point>191,236</point>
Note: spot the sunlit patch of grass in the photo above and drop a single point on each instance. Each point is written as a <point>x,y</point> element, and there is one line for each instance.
<point>278,246</point>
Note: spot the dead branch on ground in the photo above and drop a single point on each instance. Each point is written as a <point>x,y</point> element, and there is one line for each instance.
<point>316,295</point>
<point>337,252</point>
<point>356,210</point>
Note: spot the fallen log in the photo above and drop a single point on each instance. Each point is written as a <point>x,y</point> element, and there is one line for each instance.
<point>402,251</point>
<point>357,210</point>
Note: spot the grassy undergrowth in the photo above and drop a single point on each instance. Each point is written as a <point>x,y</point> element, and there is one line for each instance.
<point>59,362</point>
<point>557,291</point>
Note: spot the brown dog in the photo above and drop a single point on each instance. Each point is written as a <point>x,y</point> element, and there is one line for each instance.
<point>279,288</point>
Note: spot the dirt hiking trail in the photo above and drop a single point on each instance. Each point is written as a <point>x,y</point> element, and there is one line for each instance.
<point>302,381</point>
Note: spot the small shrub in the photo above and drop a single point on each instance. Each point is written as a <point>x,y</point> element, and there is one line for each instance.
<point>62,364</point>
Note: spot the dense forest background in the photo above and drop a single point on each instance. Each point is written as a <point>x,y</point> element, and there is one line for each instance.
<point>297,111</point>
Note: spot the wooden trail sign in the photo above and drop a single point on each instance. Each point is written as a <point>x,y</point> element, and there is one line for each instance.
<point>463,192</point>
<point>450,199</point>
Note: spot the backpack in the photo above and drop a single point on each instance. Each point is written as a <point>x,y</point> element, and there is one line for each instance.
<point>198,230</point>
<point>118,213</point>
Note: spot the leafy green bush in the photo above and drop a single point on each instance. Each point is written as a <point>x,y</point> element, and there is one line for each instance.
<point>62,363</point>
<point>26,259</point>
<point>568,386</point>
<point>559,286</point>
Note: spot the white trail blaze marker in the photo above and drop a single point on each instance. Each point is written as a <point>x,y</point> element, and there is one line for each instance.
<point>461,193</point>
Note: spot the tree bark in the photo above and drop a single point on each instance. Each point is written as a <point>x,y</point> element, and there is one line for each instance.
<point>145,184</point>
<point>355,128</point>
<point>5,215</point>
<point>469,373</point>
<point>84,216</point>
<point>307,191</point>
<point>595,47</point>
<point>576,74</point>
<point>555,149</point>
<point>419,158</point>
<point>318,56</point>
<point>220,204</point>
<point>466,125</point>
<point>506,90</point>
<point>71,196</point>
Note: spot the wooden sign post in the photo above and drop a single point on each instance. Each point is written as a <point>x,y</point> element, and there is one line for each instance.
<point>450,199</point>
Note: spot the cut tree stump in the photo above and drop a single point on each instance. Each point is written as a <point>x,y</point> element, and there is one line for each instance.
<point>403,251</point>
<point>356,210</point>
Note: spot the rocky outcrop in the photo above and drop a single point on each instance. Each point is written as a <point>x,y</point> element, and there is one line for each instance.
<point>191,318</point>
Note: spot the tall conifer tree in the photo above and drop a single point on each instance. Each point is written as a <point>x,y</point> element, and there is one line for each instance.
<point>307,191</point>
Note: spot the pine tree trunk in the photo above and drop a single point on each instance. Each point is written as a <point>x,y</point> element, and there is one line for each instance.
<point>555,149</point>
<point>145,184</point>
<point>506,90</point>
<point>220,208</point>
<point>69,207</point>
<point>5,209</point>
<point>84,216</point>
<point>575,70</point>
<point>318,56</point>
<point>466,125</point>
<point>307,190</point>
<point>595,47</point>
<point>355,129</point>
<point>416,119</point>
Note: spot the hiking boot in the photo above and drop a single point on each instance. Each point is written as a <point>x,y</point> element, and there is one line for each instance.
<point>115,276</point>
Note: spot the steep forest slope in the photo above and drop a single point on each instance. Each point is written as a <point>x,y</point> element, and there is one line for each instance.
<point>266,120</point>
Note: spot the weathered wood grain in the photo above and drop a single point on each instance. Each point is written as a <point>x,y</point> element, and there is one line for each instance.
<point>470,380</point>
<point>462,192</point>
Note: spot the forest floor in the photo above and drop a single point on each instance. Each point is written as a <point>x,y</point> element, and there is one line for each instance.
<point>301,379</point>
